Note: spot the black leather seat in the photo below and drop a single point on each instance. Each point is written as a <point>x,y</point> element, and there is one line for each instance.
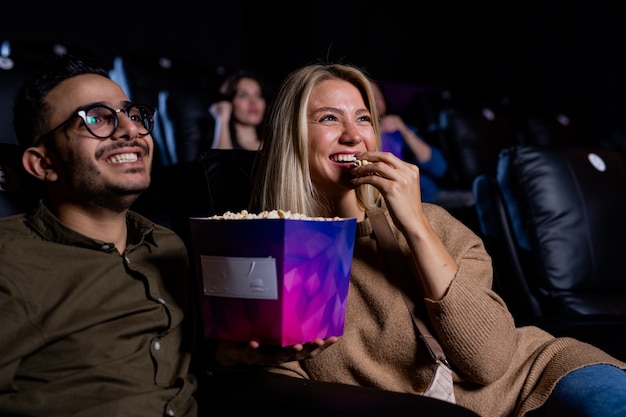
<point>18,190</point>
<point>222,181</point>
<point>554,221</point>
<point>472,135</point>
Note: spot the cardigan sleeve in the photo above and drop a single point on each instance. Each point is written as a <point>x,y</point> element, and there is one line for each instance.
<point>471,321</point>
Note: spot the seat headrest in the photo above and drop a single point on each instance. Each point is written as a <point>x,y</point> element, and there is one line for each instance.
<point>222,179</point>
<point>18,190</point>
<point>474,138</point>
<point>568,206</point>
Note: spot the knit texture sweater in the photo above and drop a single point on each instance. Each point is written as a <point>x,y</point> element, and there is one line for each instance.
<point>498,369</point>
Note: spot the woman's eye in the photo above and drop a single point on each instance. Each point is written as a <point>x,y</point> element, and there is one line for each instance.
<point>366,119</point>
<point>328,118</point>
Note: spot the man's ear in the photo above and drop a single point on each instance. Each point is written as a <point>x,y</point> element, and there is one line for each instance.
<point>37,164</point>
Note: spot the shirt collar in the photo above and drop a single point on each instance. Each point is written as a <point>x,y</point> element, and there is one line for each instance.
<point>50,228</point>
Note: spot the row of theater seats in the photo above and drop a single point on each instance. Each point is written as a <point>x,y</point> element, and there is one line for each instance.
<point>471,127</point>
<point>550,205</point>
<point>180,91</point>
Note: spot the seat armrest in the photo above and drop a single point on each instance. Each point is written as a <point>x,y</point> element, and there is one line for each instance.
<point>280,395</point>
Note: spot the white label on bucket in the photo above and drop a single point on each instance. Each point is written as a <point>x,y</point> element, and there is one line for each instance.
<point>238,277</point>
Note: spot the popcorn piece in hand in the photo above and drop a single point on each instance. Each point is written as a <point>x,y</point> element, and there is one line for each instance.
<point>361,162</point>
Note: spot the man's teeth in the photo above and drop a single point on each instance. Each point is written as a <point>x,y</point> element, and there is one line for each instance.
<point>124,157</point>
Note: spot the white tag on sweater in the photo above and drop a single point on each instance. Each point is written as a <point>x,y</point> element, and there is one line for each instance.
<point>441,386</point>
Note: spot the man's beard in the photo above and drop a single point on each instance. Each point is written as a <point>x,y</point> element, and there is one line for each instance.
<point>116,199</point>
<point>90,189</point>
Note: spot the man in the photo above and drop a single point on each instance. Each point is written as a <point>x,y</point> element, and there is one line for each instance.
<point>95,300</point>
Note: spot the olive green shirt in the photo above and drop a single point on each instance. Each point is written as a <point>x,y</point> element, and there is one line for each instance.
<point>85,331</point>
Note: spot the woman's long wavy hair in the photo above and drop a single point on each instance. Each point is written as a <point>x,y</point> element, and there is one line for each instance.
<point>282,179</point>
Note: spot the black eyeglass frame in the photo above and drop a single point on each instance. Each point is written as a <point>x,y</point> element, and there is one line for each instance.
<point>82,111</point>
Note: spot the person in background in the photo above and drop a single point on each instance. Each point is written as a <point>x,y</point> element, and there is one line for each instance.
<point>240,113</point>
<point>323,118</point>
<point>98,311</point>
<point>404,142</point>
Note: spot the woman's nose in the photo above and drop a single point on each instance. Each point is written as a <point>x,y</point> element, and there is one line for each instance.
<point>351,134</point>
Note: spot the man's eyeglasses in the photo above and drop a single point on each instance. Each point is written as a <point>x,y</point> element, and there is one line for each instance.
<point>101,121</point>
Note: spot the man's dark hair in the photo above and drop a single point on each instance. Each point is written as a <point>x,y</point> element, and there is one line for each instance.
<point>30,109</point>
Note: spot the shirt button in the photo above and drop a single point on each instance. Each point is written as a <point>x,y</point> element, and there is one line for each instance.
<point>160,300</point>
<point>106,247</point>
<point>126,259</point>
<point>170,412</point>
<point>157,345</point>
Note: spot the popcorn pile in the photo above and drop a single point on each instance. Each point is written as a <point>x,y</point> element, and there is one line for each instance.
<point>274,214</point>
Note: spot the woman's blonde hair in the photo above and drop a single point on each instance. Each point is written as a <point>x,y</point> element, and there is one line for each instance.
<point>283,178</point>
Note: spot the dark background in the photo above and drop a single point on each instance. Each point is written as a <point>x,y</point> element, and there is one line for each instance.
<point>549,45</point>
<point>567,54</point>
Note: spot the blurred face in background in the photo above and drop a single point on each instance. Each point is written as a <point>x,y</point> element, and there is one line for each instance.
<point>249,102</point>
<point>379,98</point>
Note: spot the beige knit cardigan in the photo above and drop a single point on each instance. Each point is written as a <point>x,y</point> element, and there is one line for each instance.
<point>499,370</point>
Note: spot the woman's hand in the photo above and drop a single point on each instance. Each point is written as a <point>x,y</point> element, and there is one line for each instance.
<point>392,123</point>
<point>398,182</point>
<point>221,110</point>
<point>229,353</point>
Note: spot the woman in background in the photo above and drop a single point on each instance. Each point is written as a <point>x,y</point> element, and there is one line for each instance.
<point>240,113</point>
<point>403,141</point>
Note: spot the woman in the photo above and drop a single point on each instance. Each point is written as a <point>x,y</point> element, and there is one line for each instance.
<point>239,115</point>
<point>323,118</point>
<point>402,140</point>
